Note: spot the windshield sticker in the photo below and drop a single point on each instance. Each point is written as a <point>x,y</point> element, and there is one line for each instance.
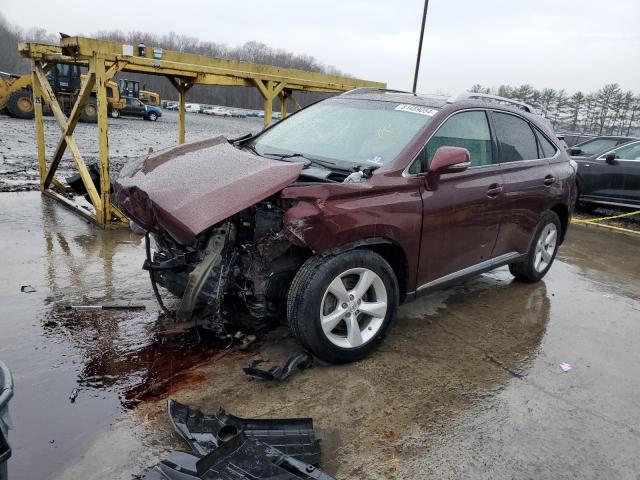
<point>377,160</point>
<point>429,112</point>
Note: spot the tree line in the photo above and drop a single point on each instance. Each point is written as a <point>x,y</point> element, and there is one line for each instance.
<point>607,111</point>
<point>254,52</point>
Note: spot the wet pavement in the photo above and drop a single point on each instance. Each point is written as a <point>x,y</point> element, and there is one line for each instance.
<point>467,385</point>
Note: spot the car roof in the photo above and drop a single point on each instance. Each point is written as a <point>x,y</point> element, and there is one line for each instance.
<point>607,137</point>
<point>463,101</point>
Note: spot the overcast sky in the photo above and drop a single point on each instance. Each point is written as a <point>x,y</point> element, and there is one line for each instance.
<point>570,44</point>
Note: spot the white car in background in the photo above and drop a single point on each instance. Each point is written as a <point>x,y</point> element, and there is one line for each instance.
<point>192,108</point>
<point>217,111</point>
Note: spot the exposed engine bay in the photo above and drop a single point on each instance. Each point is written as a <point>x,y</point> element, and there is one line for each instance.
<point>237,271</point>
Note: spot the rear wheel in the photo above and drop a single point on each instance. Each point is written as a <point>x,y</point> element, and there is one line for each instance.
<point>115,113</point>
<point>542,251</point>
<point>20,104</point>
<point>340,307</point>
<point>89,112</point>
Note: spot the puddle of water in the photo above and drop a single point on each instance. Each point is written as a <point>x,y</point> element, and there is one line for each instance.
<point>115,359</point>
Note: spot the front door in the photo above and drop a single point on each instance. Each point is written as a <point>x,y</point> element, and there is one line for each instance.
<point>461,217</point>
<point>617,180</point>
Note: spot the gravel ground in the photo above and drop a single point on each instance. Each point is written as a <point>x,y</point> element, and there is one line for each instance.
<point>128,138</point>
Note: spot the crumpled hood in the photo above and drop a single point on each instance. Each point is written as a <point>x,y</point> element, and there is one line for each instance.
<point>186,189</point>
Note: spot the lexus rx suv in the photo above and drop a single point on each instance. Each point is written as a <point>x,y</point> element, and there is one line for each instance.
<point>340,212</point>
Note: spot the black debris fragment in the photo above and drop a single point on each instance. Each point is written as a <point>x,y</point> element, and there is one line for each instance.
<point>227,447</point>
<point>301,361</point>
<point>106,307</point>
<point>294,437</point>
<point>178,466</point>
<point>242,457</point>
<point>27,289</point>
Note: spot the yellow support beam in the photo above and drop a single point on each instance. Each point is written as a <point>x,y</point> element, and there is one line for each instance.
<point>105,59</point>
<point>37,109</point>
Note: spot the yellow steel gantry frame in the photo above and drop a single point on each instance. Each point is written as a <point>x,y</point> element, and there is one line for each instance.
<point>105,59</point>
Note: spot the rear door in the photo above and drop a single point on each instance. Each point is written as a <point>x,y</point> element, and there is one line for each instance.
<point>462,216</point>
<point>529,183</point>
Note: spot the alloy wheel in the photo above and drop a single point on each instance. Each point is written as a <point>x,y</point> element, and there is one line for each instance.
<point>353,308</point>
<point>545,247</point>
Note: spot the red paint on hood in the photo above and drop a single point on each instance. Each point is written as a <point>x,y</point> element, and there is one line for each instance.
<point>185,190</point>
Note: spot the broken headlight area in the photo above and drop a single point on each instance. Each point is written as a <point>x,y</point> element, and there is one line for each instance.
<point>235,275</point>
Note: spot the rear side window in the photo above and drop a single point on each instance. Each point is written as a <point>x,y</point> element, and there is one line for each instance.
<point>548,148</point>
<point>468,130</point>
<point>517,140</point>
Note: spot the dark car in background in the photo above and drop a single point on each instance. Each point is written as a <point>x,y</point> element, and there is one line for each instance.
<point>598,145</point>
<point>336,214</point>
<point>611,178</point>
<point>136,108</point>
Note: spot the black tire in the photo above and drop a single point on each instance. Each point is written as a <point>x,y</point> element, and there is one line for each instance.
<point>526,270</point>
<point>306,297</point>
<point>89,112</point>
<point>115,113</point>
<point>152,117</point>
<point>20,104</point>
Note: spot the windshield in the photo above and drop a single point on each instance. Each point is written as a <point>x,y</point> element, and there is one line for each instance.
<point>597,146</point>
<point>347,131</point>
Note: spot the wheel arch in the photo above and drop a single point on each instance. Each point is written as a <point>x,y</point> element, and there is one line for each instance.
<point>562,211</point>
<point>391,251</point>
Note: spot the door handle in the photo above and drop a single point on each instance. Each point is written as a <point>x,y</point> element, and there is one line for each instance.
<point>549,180</point>
<point>494,190</point>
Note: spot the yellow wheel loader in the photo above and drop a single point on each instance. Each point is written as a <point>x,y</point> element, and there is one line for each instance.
<point>131,88</point>
<point>16,93</point>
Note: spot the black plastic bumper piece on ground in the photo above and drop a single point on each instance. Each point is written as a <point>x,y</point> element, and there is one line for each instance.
<point>242,457</point>
<point>301,361</point>
<point>178,466</point>
<point>292,437</point>
<point>239,458</point>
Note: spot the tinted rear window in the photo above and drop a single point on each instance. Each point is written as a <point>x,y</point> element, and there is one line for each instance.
<point>517,140</point>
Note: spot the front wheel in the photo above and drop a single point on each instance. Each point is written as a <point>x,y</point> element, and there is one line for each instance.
<point>152,116</point>
<point>340,307</point>
<point>542,251</point>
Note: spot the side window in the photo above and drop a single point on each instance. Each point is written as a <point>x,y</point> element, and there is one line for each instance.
<point>468,130</point>
<point>632,152</point>
<point>548,148</point>
<point>516,138</point>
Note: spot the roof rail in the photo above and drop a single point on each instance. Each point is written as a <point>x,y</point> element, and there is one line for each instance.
<point>376,89</point>
<point>485,96</point>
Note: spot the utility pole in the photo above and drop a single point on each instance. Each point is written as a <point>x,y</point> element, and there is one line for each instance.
<point>424,18</point>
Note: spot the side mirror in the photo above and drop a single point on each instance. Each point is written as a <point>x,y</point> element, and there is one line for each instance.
<point>446,160</point>
<point>575,151</point>
<point>450,160</point>
<point>610,159</point>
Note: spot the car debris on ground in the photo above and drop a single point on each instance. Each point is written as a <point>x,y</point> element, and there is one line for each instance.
<point>300,361</point>
<point>106,307</point>
<point>228,447</point>
<point>27,289</point>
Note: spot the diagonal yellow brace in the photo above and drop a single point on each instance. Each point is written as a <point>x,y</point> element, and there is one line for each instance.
<point>50,98</point>
<point>85,91</point>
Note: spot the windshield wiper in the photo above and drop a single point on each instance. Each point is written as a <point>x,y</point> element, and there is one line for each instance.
<point>310,161</point>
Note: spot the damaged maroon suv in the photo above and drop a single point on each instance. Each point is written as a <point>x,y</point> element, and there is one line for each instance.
<point>340,212</point>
